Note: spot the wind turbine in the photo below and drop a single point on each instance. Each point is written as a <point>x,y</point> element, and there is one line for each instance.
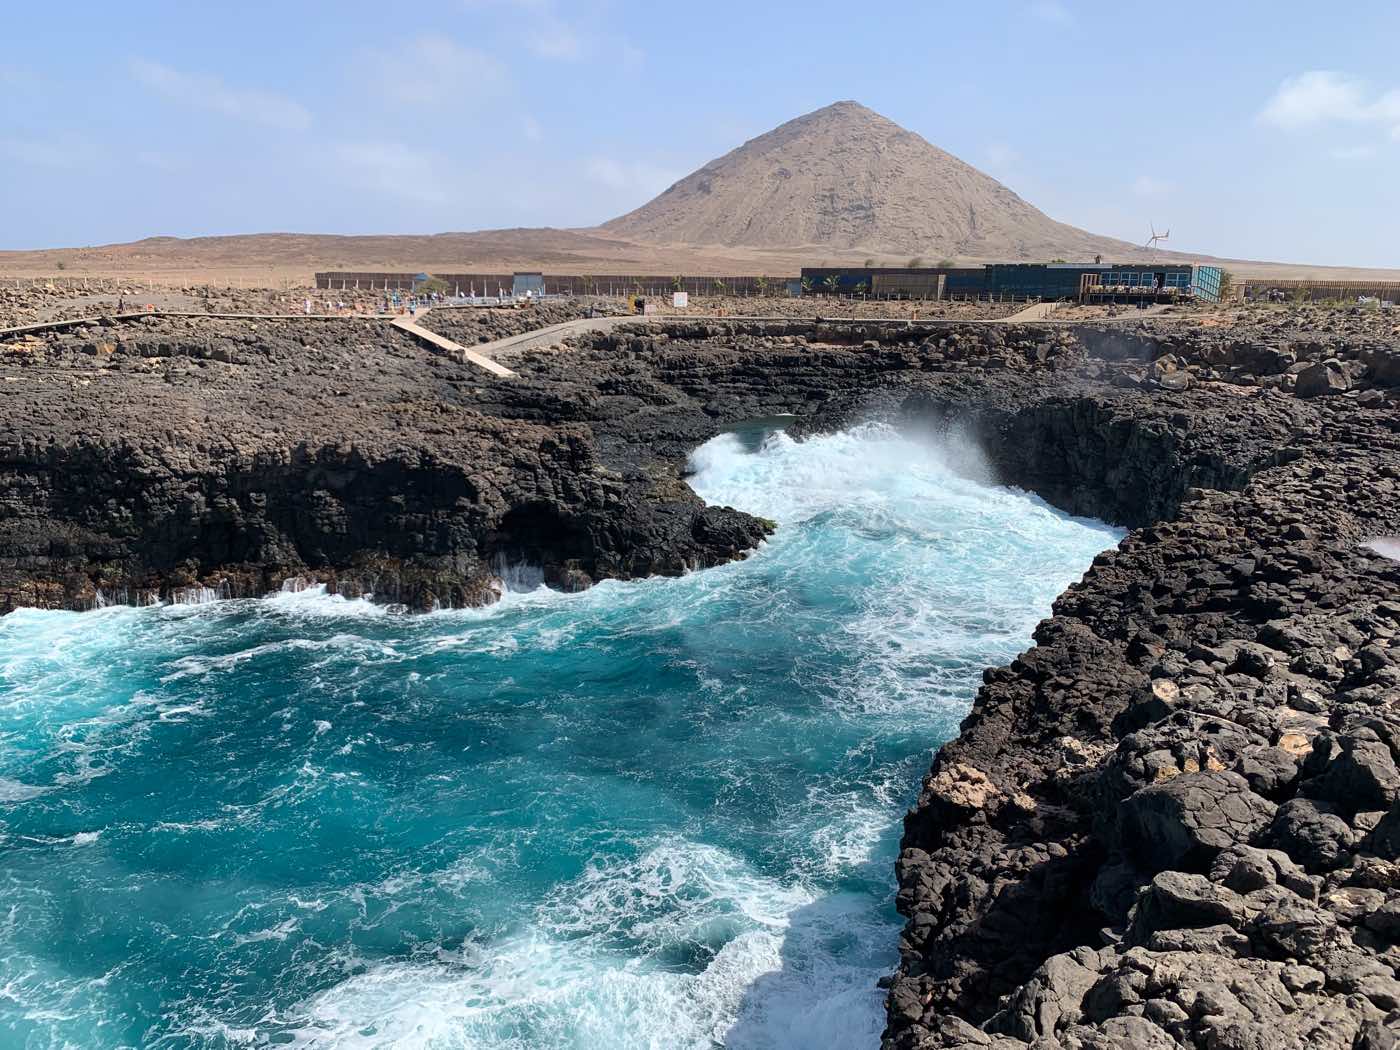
<point>1156,238</point>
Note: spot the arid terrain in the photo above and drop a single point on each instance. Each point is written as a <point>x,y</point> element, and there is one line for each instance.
<point>872,182</point>
<point>842,185</point>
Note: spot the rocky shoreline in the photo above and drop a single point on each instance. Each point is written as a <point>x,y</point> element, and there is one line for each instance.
<point>1172,822</point>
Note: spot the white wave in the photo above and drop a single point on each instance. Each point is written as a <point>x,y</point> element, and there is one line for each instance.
<point>280,932</point>
<point>14,791</point>
<point>907,527</point>
<point>181,828</point>
<point>849,824</point>
<point>791,481</point>
<point>315,601</point>
<point>197,595</point>
<point>519,577</point>
<point>796,972</point>
<point>340,646</point>
<point>671,892</point>
<point>876,472</point>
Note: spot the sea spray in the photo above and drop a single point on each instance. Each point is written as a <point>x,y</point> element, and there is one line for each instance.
<point>657,813</point>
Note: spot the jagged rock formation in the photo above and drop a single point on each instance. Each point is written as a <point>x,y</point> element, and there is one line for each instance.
<point>1175,821</point>
<point>845,177</point>
<point>1171,822</point>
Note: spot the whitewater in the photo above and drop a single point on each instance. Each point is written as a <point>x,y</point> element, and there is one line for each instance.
<point>660,813</point>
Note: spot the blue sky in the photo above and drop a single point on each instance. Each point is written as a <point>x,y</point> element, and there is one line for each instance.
<point>1263,130</point>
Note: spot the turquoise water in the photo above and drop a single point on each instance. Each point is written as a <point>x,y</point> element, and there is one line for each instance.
<point>656,814</point>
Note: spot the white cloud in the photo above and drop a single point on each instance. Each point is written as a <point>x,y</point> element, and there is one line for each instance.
<point>211,93</point>
<point>1315,98</point>
<point>70,153</point>
<point>1051,11</point>
<point>556,39</point>
<point>435,69</point>
<point>548,34</point>
<point>393,169</point>
<point>1320,97</point>
<point>637,177</point>
<point>63,152</point>
<point>1148,186</point>
<point>160,160</point>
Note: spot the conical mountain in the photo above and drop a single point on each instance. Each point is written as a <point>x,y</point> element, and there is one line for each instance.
<point>847,178</point>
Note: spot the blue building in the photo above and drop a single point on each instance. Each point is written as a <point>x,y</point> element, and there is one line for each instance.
<point>1155,280</point>
<point>1084,282</point>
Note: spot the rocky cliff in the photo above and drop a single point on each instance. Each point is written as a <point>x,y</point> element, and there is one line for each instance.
<point>1173,821</point>
<point>174,458</point>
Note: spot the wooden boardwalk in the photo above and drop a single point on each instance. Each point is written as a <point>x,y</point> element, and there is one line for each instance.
<point>1034,312</point>
<point>411,326</point>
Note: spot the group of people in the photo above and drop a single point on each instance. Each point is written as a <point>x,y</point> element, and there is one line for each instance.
<point>389,304</point>
<point>394,303</point>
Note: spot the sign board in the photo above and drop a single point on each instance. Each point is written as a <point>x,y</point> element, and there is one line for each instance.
<point>680,300</point>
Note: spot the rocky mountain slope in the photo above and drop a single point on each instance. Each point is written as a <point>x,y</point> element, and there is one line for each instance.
<point>846,177</point>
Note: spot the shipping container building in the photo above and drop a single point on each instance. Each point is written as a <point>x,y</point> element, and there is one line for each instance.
<point>1097,282</point>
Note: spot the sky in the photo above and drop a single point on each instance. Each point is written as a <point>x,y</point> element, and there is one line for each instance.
<point>1249,130</point>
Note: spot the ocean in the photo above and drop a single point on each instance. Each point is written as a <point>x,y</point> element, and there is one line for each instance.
<point>660,813</point>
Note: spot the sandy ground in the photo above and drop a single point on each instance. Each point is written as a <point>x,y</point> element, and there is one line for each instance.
<point>92,298</point>
<point>282,259</point>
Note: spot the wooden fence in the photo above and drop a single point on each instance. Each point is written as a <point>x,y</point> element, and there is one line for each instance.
<point>1313,291</point>
<point>69,284</point>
